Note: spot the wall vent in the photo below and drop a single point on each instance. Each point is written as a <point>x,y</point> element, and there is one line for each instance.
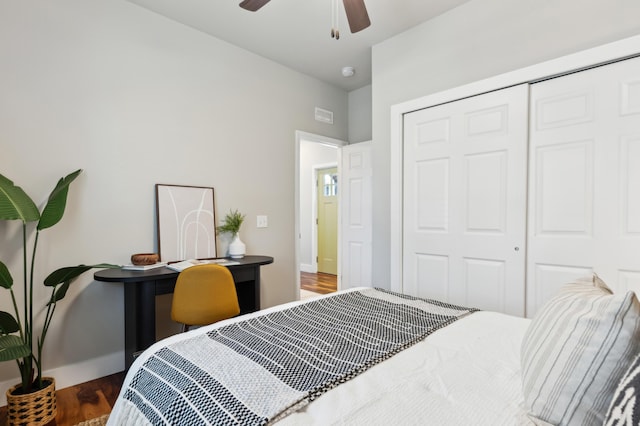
<point>324,116</point>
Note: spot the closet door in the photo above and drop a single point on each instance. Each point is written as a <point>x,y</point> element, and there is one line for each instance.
<point>465,201</point>
<point>584,197</point>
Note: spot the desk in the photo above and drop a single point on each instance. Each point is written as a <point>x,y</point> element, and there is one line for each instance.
<point>141,288</point>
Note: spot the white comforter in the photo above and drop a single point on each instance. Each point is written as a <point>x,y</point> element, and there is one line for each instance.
<point>467,373</point>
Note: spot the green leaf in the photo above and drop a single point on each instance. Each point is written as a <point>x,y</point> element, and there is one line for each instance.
<point>232,222</point>
<point>12,347</point>
<point>54,210</point>
<point>8,323</point>
<point>60,293</point>
<point>15,203</point>
<point>6,280</point>
<point>69,273</point>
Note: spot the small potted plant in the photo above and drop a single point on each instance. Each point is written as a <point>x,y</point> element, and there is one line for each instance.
<point>33,400</point>
<point>232,222</point>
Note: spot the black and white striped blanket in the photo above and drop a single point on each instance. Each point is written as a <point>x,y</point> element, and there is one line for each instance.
<point>258,370</point>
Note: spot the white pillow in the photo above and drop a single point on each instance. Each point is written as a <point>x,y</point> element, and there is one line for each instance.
<point>576,350</point>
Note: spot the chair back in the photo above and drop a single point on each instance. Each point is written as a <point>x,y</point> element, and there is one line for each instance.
<point>204,294</point>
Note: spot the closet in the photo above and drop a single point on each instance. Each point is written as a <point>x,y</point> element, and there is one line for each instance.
<point>509,194</point>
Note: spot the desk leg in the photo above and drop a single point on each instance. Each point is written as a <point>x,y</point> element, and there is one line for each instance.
<point>247,280</point>
<point>256,286</point>
<point>139,319</point>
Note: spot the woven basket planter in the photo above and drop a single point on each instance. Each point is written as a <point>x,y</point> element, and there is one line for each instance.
<point>33,409</point>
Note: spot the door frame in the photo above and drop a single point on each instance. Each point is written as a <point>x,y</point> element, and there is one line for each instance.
<point>600,55</point>
<point>301,136</point>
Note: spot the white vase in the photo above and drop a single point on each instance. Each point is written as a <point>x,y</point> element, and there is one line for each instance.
<point>237,248</point>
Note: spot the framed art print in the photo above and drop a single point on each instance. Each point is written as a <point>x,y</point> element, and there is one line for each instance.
<point>186,222</point>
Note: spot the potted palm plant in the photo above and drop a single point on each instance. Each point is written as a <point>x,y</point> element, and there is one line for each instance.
<point>32,401</point>
<point>232,222</point>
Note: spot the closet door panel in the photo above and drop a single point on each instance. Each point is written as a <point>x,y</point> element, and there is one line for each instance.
<point>584,195</point>
<point>564,189</point>
<point>558,275</point>
<point>465,201</point>
<point>630,172</point>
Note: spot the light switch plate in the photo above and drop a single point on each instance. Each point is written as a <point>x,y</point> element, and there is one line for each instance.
<point>261,221</point>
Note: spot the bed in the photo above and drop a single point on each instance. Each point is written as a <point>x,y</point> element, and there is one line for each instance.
<point>423,362</point>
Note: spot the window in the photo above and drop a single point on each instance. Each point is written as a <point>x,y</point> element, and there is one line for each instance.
<point>330,184</point>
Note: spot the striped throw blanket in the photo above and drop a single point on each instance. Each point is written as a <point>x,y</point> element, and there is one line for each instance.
<point>258,370</point>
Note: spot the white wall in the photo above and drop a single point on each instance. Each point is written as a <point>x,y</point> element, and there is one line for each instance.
<point>312,154</point>
<point>135,99</point>
<point>477,40</point>
<point>360,115</point>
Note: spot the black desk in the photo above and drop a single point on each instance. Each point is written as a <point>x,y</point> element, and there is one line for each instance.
<point>141,288</point>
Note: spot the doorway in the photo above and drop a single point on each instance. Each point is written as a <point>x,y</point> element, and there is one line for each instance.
<point>314,153</point>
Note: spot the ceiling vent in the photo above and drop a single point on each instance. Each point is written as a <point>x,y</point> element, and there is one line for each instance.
<point>324,116</point>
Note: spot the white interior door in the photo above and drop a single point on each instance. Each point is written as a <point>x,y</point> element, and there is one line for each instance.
<point>356,216</point>
<point>464,213</point>
<point>585,185</point>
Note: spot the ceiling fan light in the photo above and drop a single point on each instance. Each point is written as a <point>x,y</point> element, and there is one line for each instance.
<point>348,71</point>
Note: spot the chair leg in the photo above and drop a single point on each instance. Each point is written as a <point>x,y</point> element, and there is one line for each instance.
<point>185,327</point>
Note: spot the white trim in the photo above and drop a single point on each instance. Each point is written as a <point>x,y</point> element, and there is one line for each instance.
<point>339,242</point>
<point>305,267</point>
<point>309,137</point>
<point>72,374</point>
<point>586,59</point>
<point>396,200</point>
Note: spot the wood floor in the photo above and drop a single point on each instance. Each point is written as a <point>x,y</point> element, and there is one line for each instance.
<point>319,283</point>
<point>93,399</point>
<point>83,402</point>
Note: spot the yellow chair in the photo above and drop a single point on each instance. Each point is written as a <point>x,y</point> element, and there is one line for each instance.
<point>204,294</point>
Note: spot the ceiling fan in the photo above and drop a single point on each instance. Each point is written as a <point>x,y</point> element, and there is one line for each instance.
<point>355,9</point>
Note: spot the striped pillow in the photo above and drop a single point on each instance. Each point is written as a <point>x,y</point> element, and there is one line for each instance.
<point>576,350</point>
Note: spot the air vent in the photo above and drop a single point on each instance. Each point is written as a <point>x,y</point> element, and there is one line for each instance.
<point>324,116</point>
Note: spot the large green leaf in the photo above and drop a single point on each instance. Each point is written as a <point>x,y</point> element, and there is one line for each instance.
<point>60,293</point>
<point>54,210</point>
<point>15,203</point>
<point>69,273</point>
<point>65,276</point>
<point>8,323</point>
<point>6,280</point>
<point>12,347</point>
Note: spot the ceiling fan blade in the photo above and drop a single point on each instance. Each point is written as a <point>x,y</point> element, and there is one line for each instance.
<point>356,15</point>
<point>253,5</point>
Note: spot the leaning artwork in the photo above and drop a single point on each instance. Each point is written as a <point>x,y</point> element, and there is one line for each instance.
<point>186,222</point>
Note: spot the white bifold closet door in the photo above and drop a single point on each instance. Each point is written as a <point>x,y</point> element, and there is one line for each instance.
<point>584,186</point>
<point>464,201</point>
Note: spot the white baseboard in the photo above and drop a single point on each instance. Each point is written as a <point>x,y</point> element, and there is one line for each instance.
<point>312,269</point>
<point>70,375</point>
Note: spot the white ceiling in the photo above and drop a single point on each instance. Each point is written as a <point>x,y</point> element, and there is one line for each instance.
<point>297,33</point>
